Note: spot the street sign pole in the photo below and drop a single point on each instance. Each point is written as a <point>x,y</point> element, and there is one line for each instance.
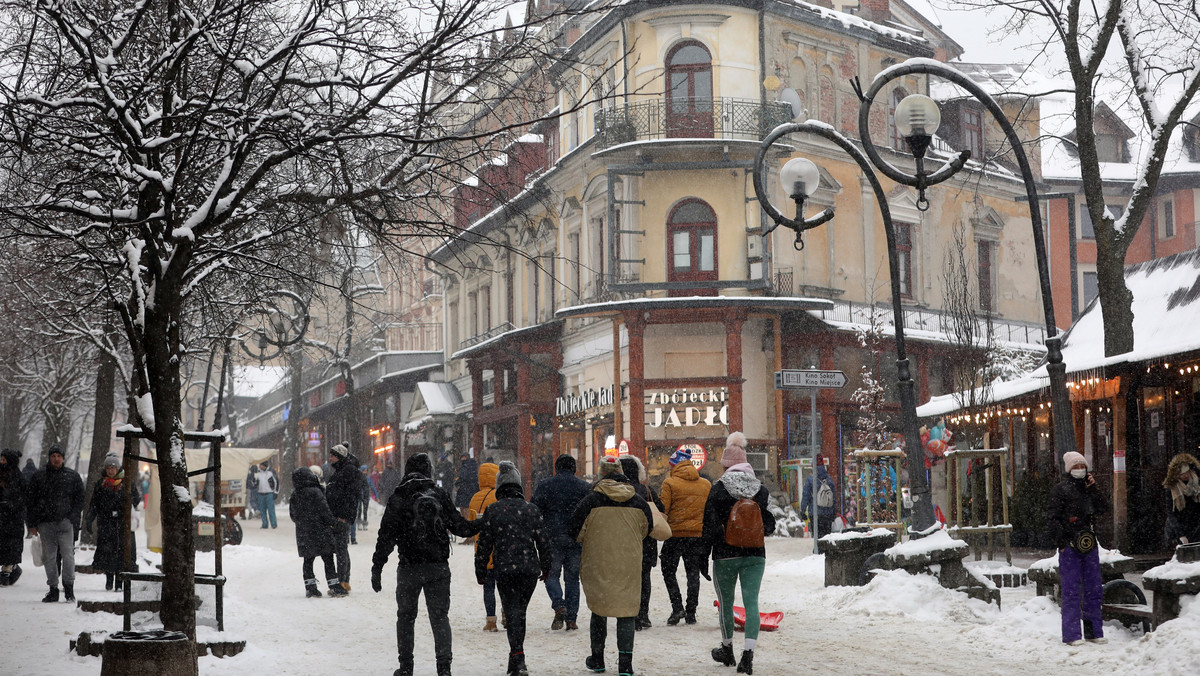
<point>811,380</point>
<point>812,445</point>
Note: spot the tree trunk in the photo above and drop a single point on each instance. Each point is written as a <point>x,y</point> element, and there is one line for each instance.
<point>1134,498</point>
<point>11,431</point>
<point>160,343</point>
<point>106,375</point>
<point>1116,299</point>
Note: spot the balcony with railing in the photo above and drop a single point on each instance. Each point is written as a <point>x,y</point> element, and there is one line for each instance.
<point>689,118</point>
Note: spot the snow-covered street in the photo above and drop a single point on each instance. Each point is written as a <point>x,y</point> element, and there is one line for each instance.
<point>896,625</point>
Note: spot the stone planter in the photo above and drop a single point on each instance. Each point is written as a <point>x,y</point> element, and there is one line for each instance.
<point>847,553</point>
<point>149,653</point>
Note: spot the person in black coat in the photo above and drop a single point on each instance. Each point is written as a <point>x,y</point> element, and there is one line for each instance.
<point>632,468</point>
<point>12,517</point>
<point>416,525</point>
<point>466,485</point>
<point>343,491</point>
<point>513,537</point>
<point>106,514</point>
<point>29,470</point>
<point>54,508</point>
<point>557,498</point>
<point>1075,501</point>
<point>315,526</point>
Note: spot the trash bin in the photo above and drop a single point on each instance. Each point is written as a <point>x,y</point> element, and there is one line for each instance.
<point>149,653</point>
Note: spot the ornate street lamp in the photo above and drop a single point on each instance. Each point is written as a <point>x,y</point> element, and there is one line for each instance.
<point>917,118</point>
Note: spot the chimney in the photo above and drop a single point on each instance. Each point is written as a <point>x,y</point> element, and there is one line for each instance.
<point>875,10</point>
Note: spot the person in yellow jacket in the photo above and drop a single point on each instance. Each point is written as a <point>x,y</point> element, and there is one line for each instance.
<point>683,496</point>
<point>610,523</point>
<point>485,496</point>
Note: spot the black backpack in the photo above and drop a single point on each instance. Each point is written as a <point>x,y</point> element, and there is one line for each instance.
<point>428,526</point>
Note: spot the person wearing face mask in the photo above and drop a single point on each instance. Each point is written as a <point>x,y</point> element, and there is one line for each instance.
<point>1183,518</point>
<point>1075,501</point>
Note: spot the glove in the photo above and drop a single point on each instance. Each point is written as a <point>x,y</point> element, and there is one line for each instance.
<point>377,579</point>
<point>481,581</point>
<point>545,576</point>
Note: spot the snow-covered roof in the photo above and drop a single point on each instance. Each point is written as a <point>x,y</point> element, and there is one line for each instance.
<point>1166,311</point>
<point>997,79</point>
<point>437,398</point>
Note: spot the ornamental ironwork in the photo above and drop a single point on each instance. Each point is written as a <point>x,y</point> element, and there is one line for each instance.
<point>689,118</point>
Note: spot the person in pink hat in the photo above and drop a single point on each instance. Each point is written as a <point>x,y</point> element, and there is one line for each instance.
<point>736,521</point>
<point>1075,501</point>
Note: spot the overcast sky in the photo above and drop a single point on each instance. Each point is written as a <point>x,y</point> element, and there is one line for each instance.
<point>977,31</point>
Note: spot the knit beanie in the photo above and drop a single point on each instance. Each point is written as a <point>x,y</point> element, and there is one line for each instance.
<point>340,451</point>
<point>564,463</point>
<point>112,460</point>
<point>508,475</point>
<point>1071,458</point>
<point>735,450</point>
<point>680,455</point>
<point>419,463</point>
<point>54,449</point>
<point>609,466</point>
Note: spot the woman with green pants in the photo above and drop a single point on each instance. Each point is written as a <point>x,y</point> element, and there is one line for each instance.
<point>731,536</point>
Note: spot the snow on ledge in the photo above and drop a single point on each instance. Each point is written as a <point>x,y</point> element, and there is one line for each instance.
<point>1106,556</point>
<point>1173,570</point>
<point>854,535</point>
<point>937,542</point>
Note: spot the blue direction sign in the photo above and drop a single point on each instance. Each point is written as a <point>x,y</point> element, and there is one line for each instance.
<point>803,379</point>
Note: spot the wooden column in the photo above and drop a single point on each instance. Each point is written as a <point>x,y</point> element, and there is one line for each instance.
<point>476,407</point>
<point>497,383</point>
<point>780,430</point>
<point>733,368</point>
<point>636,326</point>
<point>524,418</point>
<point>618,416</point>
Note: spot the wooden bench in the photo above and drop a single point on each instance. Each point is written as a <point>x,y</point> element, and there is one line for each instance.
<point>1178,577</point>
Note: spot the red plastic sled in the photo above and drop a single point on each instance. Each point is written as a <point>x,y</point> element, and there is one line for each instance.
<point>766,621</point>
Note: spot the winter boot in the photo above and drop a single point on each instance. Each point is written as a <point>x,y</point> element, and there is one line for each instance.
<point>642,622</point>
<point>676,616</point>
<point>51,596</point>
<point>14,575</point>
<point>516,665</point>
<point>595,663</point>
<point>337,591</point>
<point>624,663</point>
<point>69,591</point>
<point>560,616</point>
<point>346,585</point>
<point>746,666</point>
<point>108,581</point>
<point>689,617</point>
<point>311,591</point>
<point>723,654</point>
<point>406,667</point>
<point>4,578</point>
<point>491,624</point>
<point>571,626</point>
<point>443,666</point>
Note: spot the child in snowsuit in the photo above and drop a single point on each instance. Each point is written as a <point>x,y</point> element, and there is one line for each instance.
<point>513,540</point>
<point>314,531</point>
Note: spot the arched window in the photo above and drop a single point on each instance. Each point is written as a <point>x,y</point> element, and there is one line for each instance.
<point>897,140</point>
<point>692,246</point>
<point>689,91</point>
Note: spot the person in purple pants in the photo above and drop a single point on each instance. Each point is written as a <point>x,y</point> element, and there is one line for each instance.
<point>1074,503</point>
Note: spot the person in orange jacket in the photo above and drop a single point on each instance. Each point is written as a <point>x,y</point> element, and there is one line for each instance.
<point>683,495</point>
<point>484,497</point>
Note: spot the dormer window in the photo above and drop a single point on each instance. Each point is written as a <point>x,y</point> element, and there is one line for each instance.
<point>1110,148</point>
<point>972,128</point>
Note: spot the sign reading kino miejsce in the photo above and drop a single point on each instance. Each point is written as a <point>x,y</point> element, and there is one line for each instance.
<point>803,379</point>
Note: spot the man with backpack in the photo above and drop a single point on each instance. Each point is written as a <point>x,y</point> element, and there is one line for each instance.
<point>736,521</point>
<point>825,498</point>
<point>415,524</point>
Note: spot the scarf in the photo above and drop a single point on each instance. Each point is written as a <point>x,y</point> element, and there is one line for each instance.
<point>1182,490</point>
<point>113,483</point>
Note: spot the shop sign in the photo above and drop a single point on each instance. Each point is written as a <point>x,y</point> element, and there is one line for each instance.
<point>585,400</point>
<point>314,439</point>
<point>623,448</point>
<point>699,454</point>
<point>684,408</point>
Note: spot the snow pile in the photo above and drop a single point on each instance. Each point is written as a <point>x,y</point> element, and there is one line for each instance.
<point>852,534</point>
<point>939,541</point>
<point>787,522</point>
<point>1173,570</point>
<point>896,593</point>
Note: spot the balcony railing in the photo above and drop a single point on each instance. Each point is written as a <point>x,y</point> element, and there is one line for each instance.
<point>689,118</point>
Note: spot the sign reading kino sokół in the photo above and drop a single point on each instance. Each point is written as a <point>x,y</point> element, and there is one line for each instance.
<point>688,408</point>
<point>803,379</point>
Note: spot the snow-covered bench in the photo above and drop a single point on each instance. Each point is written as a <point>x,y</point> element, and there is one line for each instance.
<point>1173,579</point>
<point>1113,566</point>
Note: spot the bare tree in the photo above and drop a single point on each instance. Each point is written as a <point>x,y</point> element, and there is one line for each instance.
<point>1140,57</point>
<point>163,154</point>
<point>968,328</point>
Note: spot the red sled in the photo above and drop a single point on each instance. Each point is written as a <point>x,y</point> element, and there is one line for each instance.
<point>766,621</point>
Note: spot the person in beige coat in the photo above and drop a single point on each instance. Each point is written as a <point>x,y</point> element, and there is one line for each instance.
<point>610,523</point>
